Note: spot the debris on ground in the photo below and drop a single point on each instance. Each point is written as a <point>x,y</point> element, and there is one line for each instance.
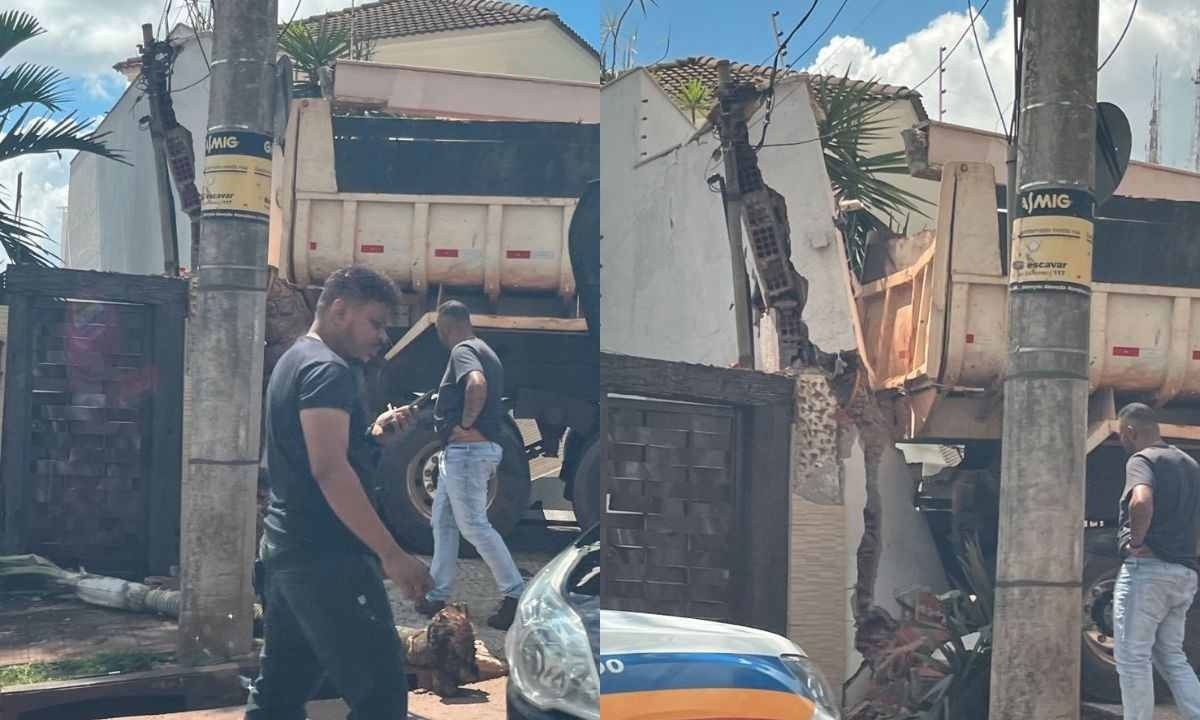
<point>445,656</point>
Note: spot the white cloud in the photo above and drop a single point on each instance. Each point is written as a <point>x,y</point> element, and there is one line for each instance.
<point>89,38</point>
<point>107,86</point>
<point>43,191</point>
<point>1166,28</point>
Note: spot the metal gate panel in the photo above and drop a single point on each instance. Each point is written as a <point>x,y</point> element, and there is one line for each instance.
<point>672,541</point>
<point>89,430</point>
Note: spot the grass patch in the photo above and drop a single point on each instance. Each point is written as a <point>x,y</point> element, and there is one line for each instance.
<point>102,664</point>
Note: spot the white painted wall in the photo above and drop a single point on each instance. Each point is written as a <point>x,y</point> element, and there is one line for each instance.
<point>530,49</point>
<point>112,220</point>
<point>666,284</point>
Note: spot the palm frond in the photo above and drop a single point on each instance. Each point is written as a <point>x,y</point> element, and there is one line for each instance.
<point>695,97</point>
<point>852,120</point>
<point>16,27</point>
<point>32,84</point>
<point>23,240</point>
<point>47,135</point>
<point>313,50</point>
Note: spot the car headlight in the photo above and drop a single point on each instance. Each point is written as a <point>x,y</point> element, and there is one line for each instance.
<point>815,686</point>
<point>549,656</point>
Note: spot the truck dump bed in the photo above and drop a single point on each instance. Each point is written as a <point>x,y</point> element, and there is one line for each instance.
<point>463,204</point>
<point>931,310</point>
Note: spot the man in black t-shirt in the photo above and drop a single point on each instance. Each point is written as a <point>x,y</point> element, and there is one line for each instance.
<point>324,550</point>
<point>469,417</point>
<point>1159,519</point>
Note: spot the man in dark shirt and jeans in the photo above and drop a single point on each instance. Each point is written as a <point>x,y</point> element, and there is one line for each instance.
<point>324,550</point>
<point>1160,517</point>
<point>468,416</point>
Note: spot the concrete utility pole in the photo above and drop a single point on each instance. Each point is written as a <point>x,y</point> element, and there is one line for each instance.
<point>1036,642</point>
<point>154,75</point>
<point>226,335</point>
<point>733,218</point>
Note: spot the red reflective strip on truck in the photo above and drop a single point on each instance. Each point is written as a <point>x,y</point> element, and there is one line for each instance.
<point>1120,351</point>
<point>970,338</point>
<point>445,252</point>
<point>312,246</point>
<point>374,249</point>
<point>518,254</point>
<point>1196,354</point>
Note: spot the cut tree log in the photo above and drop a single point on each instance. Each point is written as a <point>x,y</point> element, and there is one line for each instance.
<point>445,655</point>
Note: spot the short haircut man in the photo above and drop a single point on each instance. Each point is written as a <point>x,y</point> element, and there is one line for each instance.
<point>1159,519</point>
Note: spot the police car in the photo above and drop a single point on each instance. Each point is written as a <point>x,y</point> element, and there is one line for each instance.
<point>649,667</point>
<point>654,667</point>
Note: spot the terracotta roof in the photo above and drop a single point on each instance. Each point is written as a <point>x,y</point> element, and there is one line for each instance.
<point>399,18</point>
<point>674,75</point>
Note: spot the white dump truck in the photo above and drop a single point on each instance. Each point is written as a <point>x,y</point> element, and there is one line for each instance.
<point>480,211</point>
<point>931,325</point>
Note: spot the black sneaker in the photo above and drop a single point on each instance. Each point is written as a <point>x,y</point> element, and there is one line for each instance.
<point>428,607</point>
<point>505,614</point>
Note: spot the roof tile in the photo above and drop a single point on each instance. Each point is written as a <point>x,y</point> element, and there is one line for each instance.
<point>398,18</point>
<point>674,75</point>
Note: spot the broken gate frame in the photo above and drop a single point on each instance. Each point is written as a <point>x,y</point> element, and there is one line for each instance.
<point>764,406</point>
<point>167,300</point>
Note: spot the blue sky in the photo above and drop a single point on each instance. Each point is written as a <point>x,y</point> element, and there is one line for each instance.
<point>742,31</point>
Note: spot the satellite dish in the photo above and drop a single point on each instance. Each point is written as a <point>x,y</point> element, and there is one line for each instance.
<point>1114,142</point>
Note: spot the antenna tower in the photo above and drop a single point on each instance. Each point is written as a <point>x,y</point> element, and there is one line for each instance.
<point>1152,145</point>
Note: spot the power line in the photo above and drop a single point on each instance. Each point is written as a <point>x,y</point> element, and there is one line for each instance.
<point>190,86</point>
<point>952,49</point>
<point>986,73</point>
<point>770,92</point>
<point>1128,22</point>
<point>295,11</point>
<point>783,45</point>
<point>820,37</point>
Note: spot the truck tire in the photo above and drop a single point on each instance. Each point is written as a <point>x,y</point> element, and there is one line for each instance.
<point>589,496</point>
<point>1098,667</point>
<point>407,475</point>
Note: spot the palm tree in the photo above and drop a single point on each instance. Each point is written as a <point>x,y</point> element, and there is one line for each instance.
<point>313,50</point>
<point>852,121</point>
<point>24,89</point>
<point>695,98</point>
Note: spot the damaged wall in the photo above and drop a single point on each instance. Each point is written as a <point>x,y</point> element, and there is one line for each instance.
<point>817,574</point>
<point>667,294</point>
<point>667,285</point>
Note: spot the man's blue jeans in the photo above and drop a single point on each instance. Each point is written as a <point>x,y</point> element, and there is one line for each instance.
<point>460,505</point>
<point>1151,602</point>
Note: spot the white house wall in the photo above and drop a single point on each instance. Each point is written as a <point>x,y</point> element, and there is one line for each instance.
<point>113,208</point>
<point>666,286</point>
<point>530,49</point>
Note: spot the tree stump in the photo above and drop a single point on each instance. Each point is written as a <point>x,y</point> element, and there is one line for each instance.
<point>443,656</point>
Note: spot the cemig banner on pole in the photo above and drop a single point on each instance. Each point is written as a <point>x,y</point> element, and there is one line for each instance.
<point>237,175</point>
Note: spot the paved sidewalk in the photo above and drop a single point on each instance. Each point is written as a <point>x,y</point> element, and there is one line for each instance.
<point>484,701</point>
<point>1092,711</point>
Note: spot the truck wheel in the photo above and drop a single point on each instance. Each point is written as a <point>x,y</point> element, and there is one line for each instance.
<point>589,496</point>
<point>1099,667</point>
<point>408,474</point>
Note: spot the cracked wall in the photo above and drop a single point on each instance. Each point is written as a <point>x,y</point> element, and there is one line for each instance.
<point>818,575</point>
